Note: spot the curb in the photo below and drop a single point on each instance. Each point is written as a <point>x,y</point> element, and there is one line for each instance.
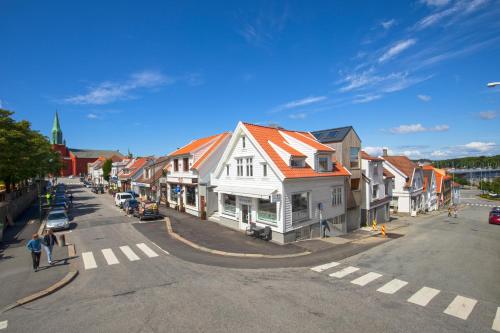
<point>73,272</point>
<point>228,254</point>
<point>42,227</point>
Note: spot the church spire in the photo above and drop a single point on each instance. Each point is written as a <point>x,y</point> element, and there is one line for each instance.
<point>57,135</point>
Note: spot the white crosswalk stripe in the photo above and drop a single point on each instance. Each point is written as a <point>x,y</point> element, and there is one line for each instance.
<point>324,267</point>
<point>344,272</point>
<point>365,279</point>
<point>496,321</point>
<point>461,307</point>
<point>147,250</point>
<point>110,257</point>
<point>423,296</point>
<point>392,286</point>
<point>4,324</point>
<point>127,251</point>
<point>88,260</point>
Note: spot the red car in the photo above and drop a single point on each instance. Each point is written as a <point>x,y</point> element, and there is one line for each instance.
<point>495,216</point>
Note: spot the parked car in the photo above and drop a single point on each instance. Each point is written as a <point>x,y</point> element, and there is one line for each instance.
<point>57,220</point>
<point>121,197</point>
<point>135,195</point>
<point>495,216</point>
<point>71,177</point>
<point>147,210</point>
<point>60,205</point>
<point>130,206</point>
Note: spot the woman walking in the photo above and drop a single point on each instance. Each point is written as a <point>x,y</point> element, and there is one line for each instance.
<point>48,241</point>
<point>35,246</point>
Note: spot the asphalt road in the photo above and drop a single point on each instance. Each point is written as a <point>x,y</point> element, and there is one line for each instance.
<point>162,293</point>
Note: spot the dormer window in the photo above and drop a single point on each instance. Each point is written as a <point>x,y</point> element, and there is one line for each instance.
<point>323,163</point>
<point>296,162</point>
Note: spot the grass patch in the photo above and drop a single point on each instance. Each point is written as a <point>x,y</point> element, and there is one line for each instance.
<point>488,197</point>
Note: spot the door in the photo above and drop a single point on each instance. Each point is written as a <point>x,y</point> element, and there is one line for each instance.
<point>245,215</point>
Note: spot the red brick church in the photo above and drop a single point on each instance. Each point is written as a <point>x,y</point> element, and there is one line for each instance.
<point>75,160</point>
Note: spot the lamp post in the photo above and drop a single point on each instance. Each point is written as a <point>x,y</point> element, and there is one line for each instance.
<point>41,177</point>
<point>493,84</point>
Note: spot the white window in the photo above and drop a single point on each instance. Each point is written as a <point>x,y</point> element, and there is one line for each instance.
<point>227,169</point>
<point>243,142</point>
<point>239,167</point>
<point>249,167</point>
<point>264,170</point>
<point>300,207</point>
<point>323,163</point>
<point>375,191</point>
<point>297,162</point>
<point>337,196</point>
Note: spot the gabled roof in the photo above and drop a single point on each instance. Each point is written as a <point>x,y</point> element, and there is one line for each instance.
<point>219,139</point>
<point>157,166</point>
<point>194,145</point>
<point>264,136</point>
<point>133,168</point>
<point>403,164</point>
<point>440,176</point>
<point>333,134</point>
<point>92,153</point>
<point>366,156</point>
<point>388,174</point>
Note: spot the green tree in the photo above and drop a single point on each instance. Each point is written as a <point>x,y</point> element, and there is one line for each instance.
<point>106,169</point>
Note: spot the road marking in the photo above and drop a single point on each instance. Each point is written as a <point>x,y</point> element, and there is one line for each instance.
<point>88,260</point>
<point>110,257</point>
<point>127,251</point>
<point>343,272</point>
<point>4,324</point>
<point>461,307</point>
<point>324,267</point>
<point>392,286</point>
<point>166,252</point>
<point>365,279</point>
<point>496,322</point>
<point>423,296</point>
<point>147,250</point>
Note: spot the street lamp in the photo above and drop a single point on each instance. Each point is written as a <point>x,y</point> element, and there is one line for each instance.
<point>41,177</point>
<point>493,84</point>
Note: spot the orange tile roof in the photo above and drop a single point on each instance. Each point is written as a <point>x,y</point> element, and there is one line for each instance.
<point>403,164</point>
<point>263,135</point>
<point>388,174</point>
<point>366,156</point>
<point>139,163</point>
<point>193,145</point>
<point>306,138</point>
<point>221,137</point>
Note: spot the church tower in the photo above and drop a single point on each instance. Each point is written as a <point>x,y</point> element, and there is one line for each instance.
<point>57,135</point>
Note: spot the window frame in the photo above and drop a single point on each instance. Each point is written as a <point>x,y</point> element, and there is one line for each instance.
<point>308,209</point>
<point>264,219</point>
<point>337,196</point>
<point>239,167</point>
<point>323,157</point>
<point>176,165</point>
<point>228,212</point>
<point>264,170</point>
<point>185,164</point>
<point>351,161</point>
<point>249,166</point>
<point>194,196</point>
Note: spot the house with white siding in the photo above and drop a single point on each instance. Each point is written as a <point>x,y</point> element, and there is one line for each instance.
<point>407,194</point>
<point>282,179</point>
<point>430,189</point>
<point>188,177</point>
<point>377,190</point>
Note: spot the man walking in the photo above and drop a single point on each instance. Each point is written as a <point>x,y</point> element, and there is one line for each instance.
<point>35,246</point>
<point>48,241</point>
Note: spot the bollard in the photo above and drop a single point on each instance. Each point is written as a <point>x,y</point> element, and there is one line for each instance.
<point>62,240</point>
<point>383,230</point>
<point>374,225</point>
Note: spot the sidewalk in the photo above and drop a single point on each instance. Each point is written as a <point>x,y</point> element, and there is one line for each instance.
<point>17,278</point>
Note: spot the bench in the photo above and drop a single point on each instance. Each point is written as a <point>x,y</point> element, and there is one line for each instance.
<point>259,232</point>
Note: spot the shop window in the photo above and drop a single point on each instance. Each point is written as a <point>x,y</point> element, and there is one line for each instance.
<point>266,211</point>
<point>229,204</point>
<point>191,195</point>
<point>173,193</point>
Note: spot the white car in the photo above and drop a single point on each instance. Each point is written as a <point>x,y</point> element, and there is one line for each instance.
<point>57,220</point>
<point>121,197</point>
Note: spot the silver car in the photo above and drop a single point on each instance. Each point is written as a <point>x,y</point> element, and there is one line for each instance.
<point>57,220</point>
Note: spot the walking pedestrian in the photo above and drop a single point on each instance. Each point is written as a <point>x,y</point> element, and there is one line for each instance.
<point>35,246</point>
<point>48,241</point>
<point>455,211</point>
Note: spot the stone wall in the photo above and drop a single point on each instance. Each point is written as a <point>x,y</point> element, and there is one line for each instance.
<point>15,205</point>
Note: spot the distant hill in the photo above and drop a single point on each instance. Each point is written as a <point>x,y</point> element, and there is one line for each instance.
<point>466,162</point>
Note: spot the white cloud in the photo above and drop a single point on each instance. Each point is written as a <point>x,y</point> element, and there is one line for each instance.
<point>359,99</point>
<point>396,49</point>
<point>377,151</point>
<point>412,153</point>
<point>388,24</point>
<point>435,3</point>
<point>300,102</point>
<point>261,29</point>
<point>92,116</point>
<point>424,98</point>
<point>301,115</point>
<point>418,128</point>
<point>439,153</point>
<point>488,115</point>
<point>108,92</point>
<point>458,9</point>
<point>480,146</point>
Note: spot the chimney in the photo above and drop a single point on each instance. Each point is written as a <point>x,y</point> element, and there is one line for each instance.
<point>384,152</point>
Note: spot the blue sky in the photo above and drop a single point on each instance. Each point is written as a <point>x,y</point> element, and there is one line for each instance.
<point>151,76</point>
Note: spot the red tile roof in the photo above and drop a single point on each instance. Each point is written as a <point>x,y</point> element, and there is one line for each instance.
<point>403,164</point>
<point>219,139</point>
<point>136,166</point>
<point>263,135</point>
<point>388,174</point>
<point>366,156</point>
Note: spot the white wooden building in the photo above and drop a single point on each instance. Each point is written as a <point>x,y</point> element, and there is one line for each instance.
<point>282,179</point>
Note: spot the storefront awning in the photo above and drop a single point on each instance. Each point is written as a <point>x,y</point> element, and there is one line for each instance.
<point>253,192</point>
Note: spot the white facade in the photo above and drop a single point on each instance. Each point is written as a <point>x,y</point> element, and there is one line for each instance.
<point>407,199</point>
<point>377,192</point>
<point>430,194</point>
<point>252,189</point>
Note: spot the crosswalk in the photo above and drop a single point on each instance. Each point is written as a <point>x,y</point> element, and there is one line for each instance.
<point>481,205</point>
<point>111,258</point>
<point>460,307</point>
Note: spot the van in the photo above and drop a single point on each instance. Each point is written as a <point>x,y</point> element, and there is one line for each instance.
<point>121,197</point>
